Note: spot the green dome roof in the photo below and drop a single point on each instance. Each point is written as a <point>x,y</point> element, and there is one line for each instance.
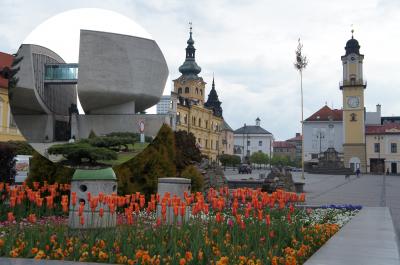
<point>95,174</point>
<point>190,67</point>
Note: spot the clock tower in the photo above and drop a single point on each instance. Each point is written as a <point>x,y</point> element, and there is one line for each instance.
<point>353,86</point>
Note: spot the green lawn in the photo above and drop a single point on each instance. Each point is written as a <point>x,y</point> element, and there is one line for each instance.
<point>125,156</point>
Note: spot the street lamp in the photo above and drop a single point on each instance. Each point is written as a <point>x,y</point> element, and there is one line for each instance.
<point>379,138</point>
<point>300,64</point>
<point>320,136</point>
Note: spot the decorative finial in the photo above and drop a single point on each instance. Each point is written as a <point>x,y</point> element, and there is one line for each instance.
<point>213,83</point>
<point>352,31</point>
<point>190,28</point>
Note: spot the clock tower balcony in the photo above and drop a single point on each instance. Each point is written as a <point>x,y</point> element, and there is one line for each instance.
<point>352,83</point>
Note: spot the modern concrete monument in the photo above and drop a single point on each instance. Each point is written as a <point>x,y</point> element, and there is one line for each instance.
<point>119,77</point>
<point>119,74</point>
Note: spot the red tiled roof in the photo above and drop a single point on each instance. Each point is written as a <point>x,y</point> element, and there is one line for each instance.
<point>296,138</point>
<point>388,128</point>
<point>5,61</point>
<point>325,114</point>
<point>283,144</point>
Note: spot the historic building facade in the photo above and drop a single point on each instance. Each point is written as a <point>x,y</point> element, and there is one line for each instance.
<point>227,137</point>
<point>298,142</point>
<point>252,138</point>
<point>284,149</point>
<point>194,114</point>
<point>8,128</point>
<point>383,153</point>
<point>322,130</point>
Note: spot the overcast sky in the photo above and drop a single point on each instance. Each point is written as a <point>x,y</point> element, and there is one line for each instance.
<point>249,45</point>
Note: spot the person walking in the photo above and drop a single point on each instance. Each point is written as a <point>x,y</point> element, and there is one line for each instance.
<point>358,172</point>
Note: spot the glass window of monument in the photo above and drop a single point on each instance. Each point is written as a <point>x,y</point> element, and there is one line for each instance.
<point>248,143</point>
<point>186,90</point>
<point>393,147</point>
<point>61,72</point>
<point>180,90</point>
<point>259,143</point>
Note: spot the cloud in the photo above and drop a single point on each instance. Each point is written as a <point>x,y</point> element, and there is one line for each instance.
<point>249,45</point>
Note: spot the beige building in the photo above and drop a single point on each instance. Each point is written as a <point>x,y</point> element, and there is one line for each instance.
<point>284,148</point>
<point>194,114</point>
<point>227,139</point>
<point>383,153</point>
<point>8,128</point>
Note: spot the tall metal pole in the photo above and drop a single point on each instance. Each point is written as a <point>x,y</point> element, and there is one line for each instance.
<point>302,126</point>
<point>300,64</point>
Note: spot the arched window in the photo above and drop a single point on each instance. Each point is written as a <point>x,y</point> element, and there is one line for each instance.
<point>199,122</point>
<point>187,90</point>
<point>180,90</point>
<point>201,91</point>
<point>197,91</point>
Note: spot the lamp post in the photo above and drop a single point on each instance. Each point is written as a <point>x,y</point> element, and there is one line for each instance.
<point>379,138</point>
<point>320,136</point>
<point>300,64</point>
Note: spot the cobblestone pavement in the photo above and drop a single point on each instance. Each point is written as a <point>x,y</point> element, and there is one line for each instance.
<point>367,190</point>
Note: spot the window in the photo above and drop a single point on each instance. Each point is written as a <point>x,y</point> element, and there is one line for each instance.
<point>206,124</point>
<point>1,112</point>
<point>197,91</point>
<point>201,91</point>
<point>248,143</point>
<point>185,119</point>
<point>206,143</point>
<point>314,156</point>
<point>211,146</point>
<point>393,147</point>
<point>353,117</point>
<point>259,143</point>
<point>180,90</point>
<point>377,147</point>
<point>178,118</point>
<point>187,90</point>
<point>216,145</point>
<point>199,122</point>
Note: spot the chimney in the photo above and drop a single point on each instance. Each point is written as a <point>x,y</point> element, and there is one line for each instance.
<point>258,121</point>
<point>378,109</point>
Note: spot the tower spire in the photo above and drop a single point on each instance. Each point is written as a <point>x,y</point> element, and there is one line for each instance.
<point>190,67</point>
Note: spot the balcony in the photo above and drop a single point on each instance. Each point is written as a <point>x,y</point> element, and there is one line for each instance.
<point>352,83</point>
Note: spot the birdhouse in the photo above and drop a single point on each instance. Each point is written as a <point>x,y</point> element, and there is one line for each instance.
<point>91,189</point>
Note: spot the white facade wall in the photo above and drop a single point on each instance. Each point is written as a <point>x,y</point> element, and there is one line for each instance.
<point>332,136</point>
<point>266,141</point>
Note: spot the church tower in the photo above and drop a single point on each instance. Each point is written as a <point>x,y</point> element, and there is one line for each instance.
<point>352,87</point>
<point>213,102</point>
<point>189,85</point>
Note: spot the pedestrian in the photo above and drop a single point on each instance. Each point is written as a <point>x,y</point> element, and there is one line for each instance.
<point>387,171</point>
<point>358,172</point>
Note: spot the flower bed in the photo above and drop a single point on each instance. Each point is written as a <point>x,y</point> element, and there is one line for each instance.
<point>240,227</point>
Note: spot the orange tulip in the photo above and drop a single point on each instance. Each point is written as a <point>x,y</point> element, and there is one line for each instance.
<point>73,198</point>
<point>82,220</point>
<point>268,220</point>
<point>101,212</point>
<point>10,217</point>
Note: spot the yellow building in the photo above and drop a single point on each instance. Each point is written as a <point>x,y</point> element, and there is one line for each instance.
<point>353,87</point>
<point>194,114</point>
<point>8,128</point>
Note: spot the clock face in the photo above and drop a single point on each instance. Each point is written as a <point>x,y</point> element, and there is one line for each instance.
<point>353,102</point>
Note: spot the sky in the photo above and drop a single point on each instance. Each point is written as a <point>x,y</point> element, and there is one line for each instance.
<point>249,46</point>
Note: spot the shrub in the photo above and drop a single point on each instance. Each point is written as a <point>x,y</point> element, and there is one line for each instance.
<point>192,173</point>
<point>22,147</point>
<point>7,162</point>
<point>77,152</point>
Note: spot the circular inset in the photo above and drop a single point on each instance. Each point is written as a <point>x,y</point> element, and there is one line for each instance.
<point>82,201</point>
<point>83,111</point>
